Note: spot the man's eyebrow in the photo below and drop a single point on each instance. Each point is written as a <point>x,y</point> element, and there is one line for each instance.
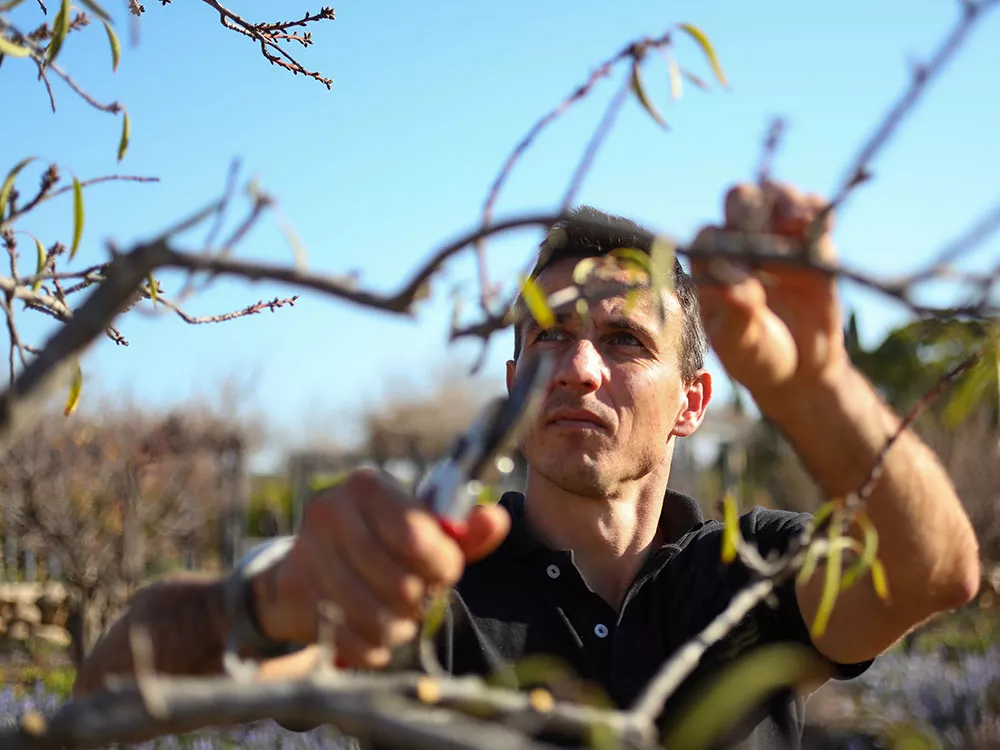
<point>622,323</point>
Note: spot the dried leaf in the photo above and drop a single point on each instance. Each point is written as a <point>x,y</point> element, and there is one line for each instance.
<point>730,528</point>
<point>116,48</point>
<point>60,28</point>
<point>123,143</point>
<point>706,46</point>
<point>75,386</point>
<point>8,183</point>
<point>640,93</point>
<point>77,217</point>
<point>9,5</point>
<point>7,47</point>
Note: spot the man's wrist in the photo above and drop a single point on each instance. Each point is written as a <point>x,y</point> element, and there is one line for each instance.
<point>249,633</point>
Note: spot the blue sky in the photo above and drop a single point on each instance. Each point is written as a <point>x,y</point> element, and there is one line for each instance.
<point>428,100</point>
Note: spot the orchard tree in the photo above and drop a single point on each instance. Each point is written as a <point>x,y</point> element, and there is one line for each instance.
<point>425,708</point>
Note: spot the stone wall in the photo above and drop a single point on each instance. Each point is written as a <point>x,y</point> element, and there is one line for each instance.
<point>33,611</point>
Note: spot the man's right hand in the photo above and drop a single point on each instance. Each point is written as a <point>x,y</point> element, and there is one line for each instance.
<point>368,547</point>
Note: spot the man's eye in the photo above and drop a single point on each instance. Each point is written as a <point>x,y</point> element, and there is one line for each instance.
<point>623,338</point>
<point>549,334</point>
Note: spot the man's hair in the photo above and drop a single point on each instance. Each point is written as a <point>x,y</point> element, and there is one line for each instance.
<point>589,233</point>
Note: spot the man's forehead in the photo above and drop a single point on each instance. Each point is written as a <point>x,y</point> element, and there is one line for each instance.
<point>640,305</point>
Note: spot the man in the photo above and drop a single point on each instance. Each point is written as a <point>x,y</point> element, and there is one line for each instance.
<point>598,563</point>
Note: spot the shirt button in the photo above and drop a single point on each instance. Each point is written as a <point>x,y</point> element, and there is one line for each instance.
<point>601,630</point>
<point>553,571</point>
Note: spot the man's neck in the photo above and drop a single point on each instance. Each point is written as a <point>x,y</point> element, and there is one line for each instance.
<point>610,537</point>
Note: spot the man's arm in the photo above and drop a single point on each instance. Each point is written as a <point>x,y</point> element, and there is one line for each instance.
<point>926,542</point>
<point>784,342</point>
<point>186,623</point>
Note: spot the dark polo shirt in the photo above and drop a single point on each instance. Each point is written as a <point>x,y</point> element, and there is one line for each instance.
<point>528,600</point>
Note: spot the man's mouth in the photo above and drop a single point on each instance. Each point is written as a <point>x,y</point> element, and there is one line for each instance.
<point>580,419</point>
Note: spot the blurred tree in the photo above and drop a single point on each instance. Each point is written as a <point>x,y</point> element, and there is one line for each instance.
<point>117,500</point>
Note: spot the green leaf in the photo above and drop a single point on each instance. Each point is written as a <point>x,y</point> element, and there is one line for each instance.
<point>77,218</point>
<point>831,584</point>
<point>706,46</point>
<point>153,293</point>
<point>43,261</point>
<point>698,81</point>
<point>8,183</point>
<point>123,143</point>
<point>7,47</point>
<point>539,308</point>
<point>9,5</point>
<point>75,386</point>
<point>705,716</point>
<point>662,264</point>
<point>730,528</point>
<point>116,48</point>
<point>867,556</point>
<point>60,28</point>
<point>97,10</point>
<point>434,616</point>
<point>676,85</point>
<point>640,93</point>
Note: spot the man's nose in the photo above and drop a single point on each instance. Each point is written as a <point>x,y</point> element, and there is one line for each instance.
<point>580,366</point>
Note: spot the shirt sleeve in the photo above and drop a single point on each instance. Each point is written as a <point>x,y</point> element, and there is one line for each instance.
<point>774,531</point>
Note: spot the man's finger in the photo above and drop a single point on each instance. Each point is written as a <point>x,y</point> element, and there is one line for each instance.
<point>486,528</point>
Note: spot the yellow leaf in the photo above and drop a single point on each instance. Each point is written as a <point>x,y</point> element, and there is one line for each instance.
<point>75,386</point>
<point>7,47</point>
<point>879,581</point>
<point>706,46</point>
<point>583,269</point>
<point>77,218</point>
<point>152,287</point>
<point>730,528</point>
<point>539,308</point>
<point>831,584</point>
<point>640,93</point>
<point>676,85</point>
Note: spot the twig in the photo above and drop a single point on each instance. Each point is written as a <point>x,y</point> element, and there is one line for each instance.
<point>858,172</point>
<point>595,142</point>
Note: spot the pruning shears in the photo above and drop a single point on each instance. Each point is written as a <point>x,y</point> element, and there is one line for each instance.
<point>452,487</point>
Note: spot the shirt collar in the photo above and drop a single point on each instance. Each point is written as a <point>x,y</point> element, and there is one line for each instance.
<point>679,515</point>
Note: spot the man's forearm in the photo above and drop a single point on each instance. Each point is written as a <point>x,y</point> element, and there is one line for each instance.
<point>926,542</point>
<point>186,623</point>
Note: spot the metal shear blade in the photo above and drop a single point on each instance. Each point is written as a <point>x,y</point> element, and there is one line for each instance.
<point>474,453</point>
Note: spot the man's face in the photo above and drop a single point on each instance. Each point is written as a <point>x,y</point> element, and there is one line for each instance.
<point>616,396</point>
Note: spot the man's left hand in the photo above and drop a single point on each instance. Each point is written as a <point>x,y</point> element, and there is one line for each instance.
<point>778,327</point>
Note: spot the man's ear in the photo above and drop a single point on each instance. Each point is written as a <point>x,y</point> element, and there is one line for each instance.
<point>696,396</point>
<point>511,370</point>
